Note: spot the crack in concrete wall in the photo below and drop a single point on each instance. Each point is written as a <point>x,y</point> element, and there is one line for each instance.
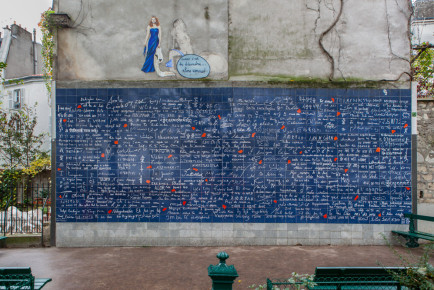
<point>329,56</point>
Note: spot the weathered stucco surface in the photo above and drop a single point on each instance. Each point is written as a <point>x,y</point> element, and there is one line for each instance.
<point>280,38</point>
<point>369,41</point>
<point>107,37</point>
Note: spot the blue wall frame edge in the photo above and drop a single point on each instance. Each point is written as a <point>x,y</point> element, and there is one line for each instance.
<point>256,155</point>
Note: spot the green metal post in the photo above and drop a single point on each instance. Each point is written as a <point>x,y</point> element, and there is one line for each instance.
<point>222,275</point>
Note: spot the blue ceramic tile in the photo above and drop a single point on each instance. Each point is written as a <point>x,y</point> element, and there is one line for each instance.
<point>243,155</point>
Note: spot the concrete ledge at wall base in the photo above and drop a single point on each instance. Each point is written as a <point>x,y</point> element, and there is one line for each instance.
<point>23,241</point>
<point>220,234</point>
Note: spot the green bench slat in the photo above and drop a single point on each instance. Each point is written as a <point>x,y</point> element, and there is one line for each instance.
<point>20,275</point>
<point>40,282</point>
<point>419,217</point>
<point>355,271</point>
<point>353,278</point>
<point>3,237</point>
<point>419,235</point>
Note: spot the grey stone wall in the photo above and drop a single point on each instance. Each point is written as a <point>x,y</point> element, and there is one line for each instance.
<point>368,40</point>
<point>425,151</point>
<point>343,39</point>
<point>219,234</point>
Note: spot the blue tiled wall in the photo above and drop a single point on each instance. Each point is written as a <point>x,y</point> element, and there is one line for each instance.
<point>233,155</point>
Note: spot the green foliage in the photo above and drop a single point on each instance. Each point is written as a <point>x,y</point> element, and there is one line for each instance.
<point>423,71</point>
<point>47,47</point>
<point>9,179</point>
<point>38,165</point>
<point>2,66</point>
<point>19,145</point>
<point>296,281</point>
<point>20,152</point>
<point>419,273</point>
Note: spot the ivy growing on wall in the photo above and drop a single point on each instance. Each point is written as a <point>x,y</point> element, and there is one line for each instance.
<point>47,47</point>
<point>423,70</point>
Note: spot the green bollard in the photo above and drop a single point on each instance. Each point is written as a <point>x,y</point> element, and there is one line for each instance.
<point>222,275</point>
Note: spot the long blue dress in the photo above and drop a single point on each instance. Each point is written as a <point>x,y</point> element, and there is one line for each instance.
<point>148,66</point>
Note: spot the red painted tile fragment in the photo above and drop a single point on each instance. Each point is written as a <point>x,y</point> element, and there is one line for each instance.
<point>64,120</point>
<point>283,127</point>
<point>173,190</point>
<point>170,156</point>
<point>110,211</point>
<point>289,161</point>
<point>148,181</point>
<point>325,216</point>
<point>60,196</point>
<point>378,149</point>
<point>333,100</point>
<point>336,159</point>
<point>184,203</point>
<point>203,135</point>
<point>357,197</point>
<point>195,169</point>
<point>393,131</point>
<point>206,179</point>
<point>58,169</point>
<point>379,214</point>
<point>299,111</point>
<point>149,167</point>
<point>125,125</point>
<point>240,151</point>
<point>224,206</point>
<point>102,155</point>
<point>346,170</point>
<point>408,188</point>
<point>406,125</point>
<point>193,128</point>
<point>79,107</point>
<point>275,201</point>
<point>260,161</point>
<point>164,209</point>
<point>220,117</point>
<point>116,142</point>
<point>336,138</point>
<point>301,152</point>
<point>253,135</point>
<point>338,114</point>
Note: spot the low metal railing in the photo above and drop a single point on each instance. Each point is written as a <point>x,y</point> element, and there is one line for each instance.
<point>24,209</point>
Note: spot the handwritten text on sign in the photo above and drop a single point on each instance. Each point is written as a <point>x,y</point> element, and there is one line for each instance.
<point>233,155</point>
<point>193,66</point>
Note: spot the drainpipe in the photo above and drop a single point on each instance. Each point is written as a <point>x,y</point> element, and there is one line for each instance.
<point>34,51</point>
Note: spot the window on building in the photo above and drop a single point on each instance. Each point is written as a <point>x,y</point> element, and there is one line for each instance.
<point>16,99</point>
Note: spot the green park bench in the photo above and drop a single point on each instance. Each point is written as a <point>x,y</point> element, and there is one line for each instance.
<point>20,278</point>
<point>345,278</point>
<point>3,241</point>
<point>412,235</point>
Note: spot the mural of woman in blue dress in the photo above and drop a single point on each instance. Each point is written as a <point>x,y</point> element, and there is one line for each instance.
<point>152,42</point>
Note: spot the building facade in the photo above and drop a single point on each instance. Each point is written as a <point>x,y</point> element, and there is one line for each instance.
<point>232,122</point>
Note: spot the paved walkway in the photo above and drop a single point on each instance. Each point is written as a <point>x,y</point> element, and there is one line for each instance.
<point>183,267</point>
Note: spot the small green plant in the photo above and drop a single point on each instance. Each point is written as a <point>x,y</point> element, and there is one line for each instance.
<point>419,273</point>
<point>296,281</point>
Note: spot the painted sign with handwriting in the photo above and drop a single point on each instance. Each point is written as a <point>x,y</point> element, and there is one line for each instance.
<point>193,66</point>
